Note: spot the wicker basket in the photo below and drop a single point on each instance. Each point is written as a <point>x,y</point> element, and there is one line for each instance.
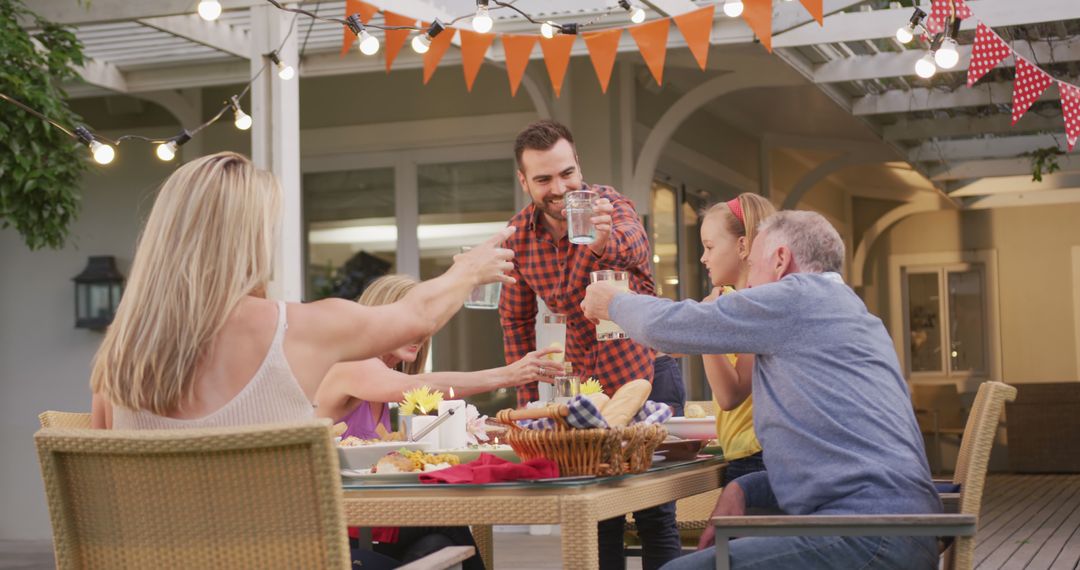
<point>600,452</point>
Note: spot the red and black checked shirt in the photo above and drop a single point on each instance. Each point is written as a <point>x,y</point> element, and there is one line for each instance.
<point>559,273</point>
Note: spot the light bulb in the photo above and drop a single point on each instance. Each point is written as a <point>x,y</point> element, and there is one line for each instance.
<point>167,150</point>
<point>209,9</point>
<point>547,29</point>
<point>286,72</point>
<point>733,8</point>
<point>243,120</point>
<point>103,153</point>
<point>946,56</point>
<point>421,43</point>
<point>369,44</point>
<point>482,22</point>
<point>905,34</point>
<point>637,15</point>
<point>925,67</point>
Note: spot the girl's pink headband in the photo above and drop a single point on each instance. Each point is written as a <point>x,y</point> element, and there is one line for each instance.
<point>736,208</point>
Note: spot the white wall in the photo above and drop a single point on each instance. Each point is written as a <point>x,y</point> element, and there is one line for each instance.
<point>44,360</point>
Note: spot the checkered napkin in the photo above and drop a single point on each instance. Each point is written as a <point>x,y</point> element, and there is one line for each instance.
<point>585,415</point>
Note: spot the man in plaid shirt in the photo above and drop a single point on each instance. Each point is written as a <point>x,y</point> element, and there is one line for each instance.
<point>548,265</point>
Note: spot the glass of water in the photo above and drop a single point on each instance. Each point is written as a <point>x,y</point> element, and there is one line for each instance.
<point>483,296</point>
<point>607,330</point>
<point>551,333</point>
<point>579,213</point>
<point>566,385</point>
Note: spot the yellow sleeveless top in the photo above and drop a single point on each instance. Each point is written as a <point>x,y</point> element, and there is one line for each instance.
<point>735,429</point>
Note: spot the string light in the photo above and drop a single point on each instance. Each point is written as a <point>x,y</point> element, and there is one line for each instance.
<point>369,44</point>
<point>241,119</point>
<point>733,8</point>
<point>167,150</point>
<point>422,42</point>
<point>946,56</point>
<point>102,153</point>
<point>482,21</point>
<point>637,13</point>
<point>905,34</point>
<point>285,72</point>
<point>548,29</point>
<point>925,67</point>
<point>209,10</point>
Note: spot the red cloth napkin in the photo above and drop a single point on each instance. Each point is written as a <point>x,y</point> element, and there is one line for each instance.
<point>491,469</point>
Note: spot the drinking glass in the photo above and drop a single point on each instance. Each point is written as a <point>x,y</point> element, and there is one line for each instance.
<point>551,333</point>
<point>579,213</point>
<point>607,330</point>
<point>566,385</point>
<point>483,296</point>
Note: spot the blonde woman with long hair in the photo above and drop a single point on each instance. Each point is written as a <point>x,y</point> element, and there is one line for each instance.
<point>728,230</point>
<point>195,341</point>
<point>351,392</point>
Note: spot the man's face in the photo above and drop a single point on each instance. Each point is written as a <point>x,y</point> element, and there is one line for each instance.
<point>546,175</point>
<point>765,265</point>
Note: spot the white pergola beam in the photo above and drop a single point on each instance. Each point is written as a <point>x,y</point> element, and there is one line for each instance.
<point>1017,185</point>
<point>1070,196</point>
<point>993,147</point>
<point>217,35</point>
<point>922,99</point>
<point>72,12</point>
<point>922,129</point>
<point>103,74</point>
<point>902,64</point>
<point>998,167</point>
<point>878,24</point>
<point>671,7</point>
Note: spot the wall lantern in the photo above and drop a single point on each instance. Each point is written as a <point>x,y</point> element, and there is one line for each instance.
<point>97,293</point>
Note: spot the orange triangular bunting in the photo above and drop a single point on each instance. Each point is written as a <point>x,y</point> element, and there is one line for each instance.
<point>815,9</point>
<point>366,11</point>
<point>557,58</point>
<point>602,49</point>
<point>758,13</point>
<point>474,47</point>
<point>395,39</point>
<point>651,41</point>
<point>434,54</point>
<point>696,28</point>
<point>517,50</point>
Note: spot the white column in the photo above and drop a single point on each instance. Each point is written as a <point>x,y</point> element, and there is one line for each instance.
<point>275,141</point>
<point>407,212</point>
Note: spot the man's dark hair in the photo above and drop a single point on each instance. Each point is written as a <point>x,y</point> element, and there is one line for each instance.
<point>541,135</point>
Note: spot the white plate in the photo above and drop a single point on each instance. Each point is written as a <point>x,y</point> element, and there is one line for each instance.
<point>692,428</point>
<point>364,456</point>
<point>366,476</point>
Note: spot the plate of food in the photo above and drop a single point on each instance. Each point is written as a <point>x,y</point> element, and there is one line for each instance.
<point>358,454</point>
<point>472,452</point>
<point>402,466</point>
<point>692,428</point>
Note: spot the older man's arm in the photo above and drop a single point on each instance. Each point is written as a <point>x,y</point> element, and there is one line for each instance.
<point>756,321</point>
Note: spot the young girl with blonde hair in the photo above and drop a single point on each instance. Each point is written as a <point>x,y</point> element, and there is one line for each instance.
<point>727,232</point>
<point>196,342</point>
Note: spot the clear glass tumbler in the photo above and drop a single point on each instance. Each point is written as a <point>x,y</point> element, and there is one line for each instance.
<point>551,333</point>
<point>579,213</point>
<point>483,296</point>
<point>607,330</point>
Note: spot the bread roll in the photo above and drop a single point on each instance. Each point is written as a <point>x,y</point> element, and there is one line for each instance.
<point>626,402</point>
<point>600,399</point>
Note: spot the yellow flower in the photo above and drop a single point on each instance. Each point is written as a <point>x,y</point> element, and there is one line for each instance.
<point>591,386</point>
<point>420,401</point>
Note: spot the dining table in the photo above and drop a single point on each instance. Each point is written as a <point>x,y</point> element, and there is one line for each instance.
<point>577,504</point>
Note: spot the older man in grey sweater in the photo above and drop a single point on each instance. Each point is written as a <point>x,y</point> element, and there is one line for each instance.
<point>831,408</point>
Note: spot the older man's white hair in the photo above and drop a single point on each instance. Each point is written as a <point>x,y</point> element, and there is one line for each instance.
<point>814,243</point>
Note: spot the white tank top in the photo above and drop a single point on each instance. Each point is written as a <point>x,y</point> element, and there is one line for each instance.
<point>271,396</point>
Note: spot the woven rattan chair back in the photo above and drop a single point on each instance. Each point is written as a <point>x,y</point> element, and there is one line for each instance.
<point>51,419</point>
<point>971,464</point>
<point>249,497</point>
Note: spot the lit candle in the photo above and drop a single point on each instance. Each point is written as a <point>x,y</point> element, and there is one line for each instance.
<point>452,431</point>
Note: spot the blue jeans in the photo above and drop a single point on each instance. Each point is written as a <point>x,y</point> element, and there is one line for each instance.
<point>746,465</point>
<point>820,552</point>
<point>660,541</point>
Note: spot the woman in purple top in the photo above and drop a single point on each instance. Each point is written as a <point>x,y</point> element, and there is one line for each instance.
<point>355,392</point>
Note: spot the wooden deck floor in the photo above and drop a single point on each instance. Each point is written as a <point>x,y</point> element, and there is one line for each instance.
<point>1030,521</point>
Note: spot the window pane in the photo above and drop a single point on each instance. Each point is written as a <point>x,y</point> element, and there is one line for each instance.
<point>463,204</point>
<point>925,322</point>
<point>967,340</point>
<point>352,235</point>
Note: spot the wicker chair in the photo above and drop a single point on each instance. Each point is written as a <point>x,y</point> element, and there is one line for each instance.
<point>51,419</point>
<point>265,496</point>
<point>979,434</point>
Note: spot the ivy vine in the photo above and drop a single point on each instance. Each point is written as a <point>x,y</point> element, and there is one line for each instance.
<point>1044,161</point>
<point>40,166</point>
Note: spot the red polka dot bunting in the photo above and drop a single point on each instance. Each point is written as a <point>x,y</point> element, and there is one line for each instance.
<point>1070,108</point>
<point>988,51</point>
<point>1029,85</point>
<point>940,11</point>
